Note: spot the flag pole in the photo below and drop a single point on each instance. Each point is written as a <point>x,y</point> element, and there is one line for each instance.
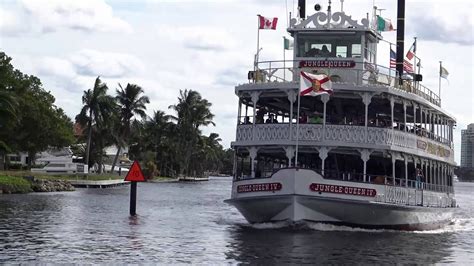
<point>439,82</point>
<point>258,44</point>
<point>284,60</point>
<point>297,128</point>
<point>389,66</point>
<point>414,61</point>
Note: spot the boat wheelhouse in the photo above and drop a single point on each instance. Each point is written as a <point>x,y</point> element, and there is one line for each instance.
<point>378,152</point>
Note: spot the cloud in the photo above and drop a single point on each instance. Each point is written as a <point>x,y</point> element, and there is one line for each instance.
<point>107,64</point>
<point>431,28</point>
<point>231,77</point>
<point>54,15</point>
<point>10,23</point>
<point>199,37</point>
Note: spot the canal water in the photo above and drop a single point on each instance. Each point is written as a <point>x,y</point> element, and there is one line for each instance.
<point>189,223</point>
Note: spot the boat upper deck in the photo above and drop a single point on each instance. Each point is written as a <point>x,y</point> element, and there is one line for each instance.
<point>353,72</point>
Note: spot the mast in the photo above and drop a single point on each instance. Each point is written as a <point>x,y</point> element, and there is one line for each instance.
<point>400,38</point>
<point>302,8</point>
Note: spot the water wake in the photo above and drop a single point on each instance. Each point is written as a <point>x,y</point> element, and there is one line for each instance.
<point>456,225</point>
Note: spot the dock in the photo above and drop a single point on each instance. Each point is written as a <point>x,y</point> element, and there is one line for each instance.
<point>98,183</point>
<point>192,179</point>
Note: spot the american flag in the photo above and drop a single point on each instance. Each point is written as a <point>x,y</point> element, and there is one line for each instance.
<point>407,66</point>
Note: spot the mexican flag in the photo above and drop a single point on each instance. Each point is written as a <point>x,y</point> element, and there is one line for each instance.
<point>443,72</point>
<point>384,24</point>
<point>287,43</point>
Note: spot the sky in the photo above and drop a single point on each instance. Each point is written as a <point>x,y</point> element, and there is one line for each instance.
<point>168,45</point>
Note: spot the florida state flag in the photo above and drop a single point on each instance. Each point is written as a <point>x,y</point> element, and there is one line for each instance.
<point>314,85</point>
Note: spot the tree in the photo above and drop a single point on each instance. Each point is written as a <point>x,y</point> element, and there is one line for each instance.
<point>131,102</point>
<point>213,152</point>
<point>29,120</point>
<point>162,139</point>
<point>192,112</point>
<point>98,107</point>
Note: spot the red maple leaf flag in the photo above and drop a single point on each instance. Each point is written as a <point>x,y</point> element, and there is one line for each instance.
<point>314,85</point>
<point>267,23</point>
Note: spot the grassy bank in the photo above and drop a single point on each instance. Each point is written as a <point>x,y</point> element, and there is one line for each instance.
<point>14,184</point>
<point>61,177</point>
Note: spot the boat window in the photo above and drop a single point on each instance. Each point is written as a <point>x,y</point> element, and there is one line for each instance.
<point>370,50</point>
<point>356,50</point>
<point>56,165</point>
<point>321,45</point>
<point>341,51</point>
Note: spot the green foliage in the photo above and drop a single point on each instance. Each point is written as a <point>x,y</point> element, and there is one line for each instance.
<point>169,144</point>
<point>29,120</point>
<point>13,184</point>
<point>150,170</point>
<point>98,117</point>
<point>131,103</point>
<point>192,112</point>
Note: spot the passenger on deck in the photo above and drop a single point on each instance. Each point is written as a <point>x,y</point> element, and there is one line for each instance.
<point>313,52</point>
<point>419,178</point>
<point>315,119</point>
<point>247,120</point>
<point>380,180</point>
<point>303,118</point>
<point>325,52</point>
<point>259,116</point>
<point>271,119</point>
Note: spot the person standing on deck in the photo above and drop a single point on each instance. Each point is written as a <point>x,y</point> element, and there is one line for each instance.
<point>419,178</point>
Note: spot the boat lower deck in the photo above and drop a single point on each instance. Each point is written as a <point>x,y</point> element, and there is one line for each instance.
<point>373,215</point>
<point>300,194</point>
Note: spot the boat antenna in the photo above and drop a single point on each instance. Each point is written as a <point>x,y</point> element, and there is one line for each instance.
<point>329,13</point>
<point>342,6</point>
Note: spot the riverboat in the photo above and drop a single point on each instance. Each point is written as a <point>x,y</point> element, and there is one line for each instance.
<point>374,151</point>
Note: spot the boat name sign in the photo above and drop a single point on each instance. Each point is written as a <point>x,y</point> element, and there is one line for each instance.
<point>356,191</point>
<point>259,187</point>
<point>328,63</point>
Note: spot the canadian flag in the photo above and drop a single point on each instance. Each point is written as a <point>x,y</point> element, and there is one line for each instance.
<point>267,23</point>
<point>314,85</point>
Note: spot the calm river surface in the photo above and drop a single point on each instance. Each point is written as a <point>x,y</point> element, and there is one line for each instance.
<point>189,223</point>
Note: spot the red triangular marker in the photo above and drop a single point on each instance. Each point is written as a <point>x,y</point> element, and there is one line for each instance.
<point>135,173</point>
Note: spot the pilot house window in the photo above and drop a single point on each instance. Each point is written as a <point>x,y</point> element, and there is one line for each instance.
<point>341,51</point>
<point>328,45</point>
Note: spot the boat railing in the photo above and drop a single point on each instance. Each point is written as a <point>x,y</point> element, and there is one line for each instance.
<point>385,180</point>
<point>360,74</point>
<point>373,134</point>
<point>359,178</point>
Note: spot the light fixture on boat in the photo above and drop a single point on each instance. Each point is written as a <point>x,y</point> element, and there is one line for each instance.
<point>317,7</point>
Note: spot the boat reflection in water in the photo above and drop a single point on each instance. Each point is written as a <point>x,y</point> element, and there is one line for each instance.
<point>354,246</point>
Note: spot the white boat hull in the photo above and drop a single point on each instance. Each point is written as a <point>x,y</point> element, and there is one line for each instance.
<point>294,202</point>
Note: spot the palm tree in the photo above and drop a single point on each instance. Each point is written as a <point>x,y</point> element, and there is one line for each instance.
<point>162,139</point>
<point>97,109</point>
<point>192,112</point>
<point>131,102</point>
<point>213,151</point>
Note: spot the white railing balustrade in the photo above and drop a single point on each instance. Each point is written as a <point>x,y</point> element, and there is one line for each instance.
<point>280,134</point>
<point>415,197</point>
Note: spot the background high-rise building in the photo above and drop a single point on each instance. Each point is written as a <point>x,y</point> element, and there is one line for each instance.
<point>467,147</point>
